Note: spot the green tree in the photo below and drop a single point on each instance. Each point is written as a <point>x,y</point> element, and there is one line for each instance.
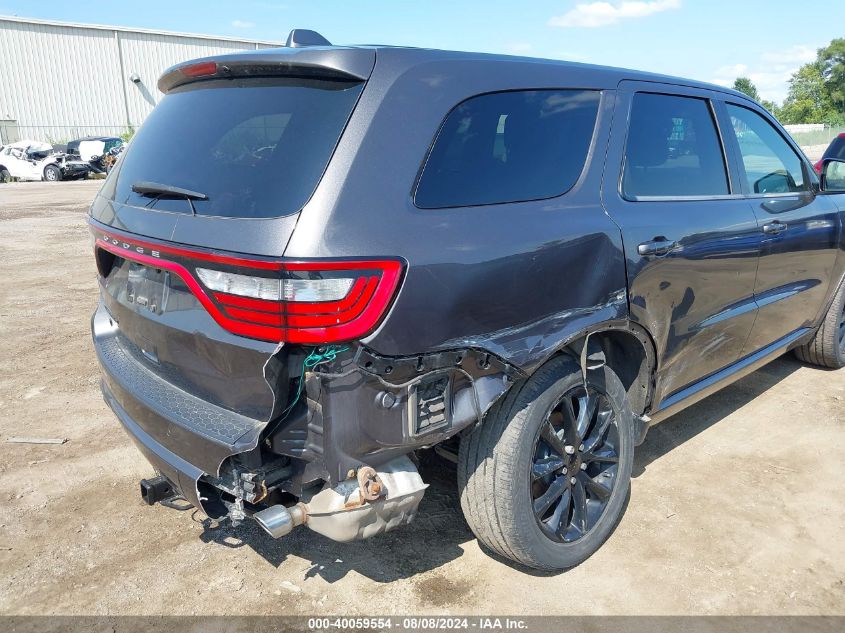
<point>772,107</point>
<point>832,60</point>
<point>746,86</point>
<point>808,100</point>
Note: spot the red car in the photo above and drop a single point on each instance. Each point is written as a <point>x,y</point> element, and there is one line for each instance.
<point>836,149</point>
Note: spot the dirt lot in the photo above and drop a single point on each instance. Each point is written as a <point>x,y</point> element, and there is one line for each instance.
<point>738,504</point>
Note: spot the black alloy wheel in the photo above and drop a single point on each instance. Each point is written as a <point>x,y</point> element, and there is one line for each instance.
<point>575,464</point>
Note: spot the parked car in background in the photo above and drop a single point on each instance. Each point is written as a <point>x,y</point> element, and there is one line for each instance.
<point>109,159</point>
<point>96,151</point>
<point>836,149</point>
<point>92,145</point>
<point>33,160</point>
<point>356,253</point>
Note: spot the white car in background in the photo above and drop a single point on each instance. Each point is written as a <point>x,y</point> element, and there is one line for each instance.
<point>33,160</point>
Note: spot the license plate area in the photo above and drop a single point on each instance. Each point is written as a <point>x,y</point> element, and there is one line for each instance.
<point>147,287</point>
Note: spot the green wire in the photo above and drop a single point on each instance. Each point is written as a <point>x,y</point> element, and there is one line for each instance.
<point>311,361</point>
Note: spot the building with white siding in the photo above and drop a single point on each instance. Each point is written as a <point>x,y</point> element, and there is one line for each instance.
<point>60,80</point>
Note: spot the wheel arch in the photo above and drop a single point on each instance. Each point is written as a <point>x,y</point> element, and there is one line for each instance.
<point>625,347</point>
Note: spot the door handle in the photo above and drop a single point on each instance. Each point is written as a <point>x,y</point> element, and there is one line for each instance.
<point>775,228</point>
<point>658,246</point>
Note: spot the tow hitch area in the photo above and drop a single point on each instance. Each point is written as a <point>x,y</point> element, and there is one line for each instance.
<point>156,489</point>
<point>372,502</point>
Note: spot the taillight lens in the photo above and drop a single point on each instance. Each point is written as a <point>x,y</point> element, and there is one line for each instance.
<point>313,302</point>
<point>241,285</point>
<point>316,290</point>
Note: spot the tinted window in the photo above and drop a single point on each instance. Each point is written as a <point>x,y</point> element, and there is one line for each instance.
<point>673,149</point>
<point>509,146</point>
<point>836,149</point>
<point>771,165</point>
<point>256,148</point>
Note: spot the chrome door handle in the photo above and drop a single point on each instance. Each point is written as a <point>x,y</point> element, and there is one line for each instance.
<point>658,246</point>
<point>775,228</point>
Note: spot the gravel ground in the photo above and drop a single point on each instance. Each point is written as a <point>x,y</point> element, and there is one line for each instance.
<point>738,503</point>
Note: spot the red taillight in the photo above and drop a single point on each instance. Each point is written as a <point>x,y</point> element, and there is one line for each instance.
<point>295,302</point>
<point>818,167</point>
<point>202,69</point>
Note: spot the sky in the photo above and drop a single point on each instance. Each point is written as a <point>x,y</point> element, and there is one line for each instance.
<point>709,40</point>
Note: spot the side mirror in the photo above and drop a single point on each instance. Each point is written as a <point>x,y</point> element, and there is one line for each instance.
<point>833,175</point>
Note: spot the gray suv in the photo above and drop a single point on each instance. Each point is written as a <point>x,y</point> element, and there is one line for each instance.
<point>318,261</point>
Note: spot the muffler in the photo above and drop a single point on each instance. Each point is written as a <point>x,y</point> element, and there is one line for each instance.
<point>343,513</point>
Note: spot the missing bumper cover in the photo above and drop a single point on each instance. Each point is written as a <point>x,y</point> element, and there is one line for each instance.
<point>366,409</point>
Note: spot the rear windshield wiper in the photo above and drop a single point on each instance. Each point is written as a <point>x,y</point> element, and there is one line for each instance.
<point>156,189</point>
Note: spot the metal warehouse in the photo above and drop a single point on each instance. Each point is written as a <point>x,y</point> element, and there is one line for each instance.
<point>61,80</point>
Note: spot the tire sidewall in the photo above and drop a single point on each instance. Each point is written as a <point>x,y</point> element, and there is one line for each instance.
<point>837,307</point>
<point>54,170</point>
<point>551,553</point>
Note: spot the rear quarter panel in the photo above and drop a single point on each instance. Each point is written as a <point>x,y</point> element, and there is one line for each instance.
<point>515,279</point>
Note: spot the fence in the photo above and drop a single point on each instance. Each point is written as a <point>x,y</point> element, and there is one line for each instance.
<point>55,134</point>
<point>823,136</point>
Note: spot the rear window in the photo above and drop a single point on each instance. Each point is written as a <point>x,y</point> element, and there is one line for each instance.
<point>509,147</point>
<point>256,148</point>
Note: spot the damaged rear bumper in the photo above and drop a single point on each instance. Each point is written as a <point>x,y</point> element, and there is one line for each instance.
<point>183,475</point>
<point>358,413</point>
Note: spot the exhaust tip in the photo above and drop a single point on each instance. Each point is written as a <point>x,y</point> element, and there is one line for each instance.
<point>278,521</point>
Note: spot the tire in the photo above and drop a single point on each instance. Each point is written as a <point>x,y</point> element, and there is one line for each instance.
<point>52,173</point>
<point>827,348</point>
<point>499,463</point>
<point>5,176</point>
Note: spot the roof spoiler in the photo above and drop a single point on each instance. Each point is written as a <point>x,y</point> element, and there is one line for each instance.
<point>347,64</point>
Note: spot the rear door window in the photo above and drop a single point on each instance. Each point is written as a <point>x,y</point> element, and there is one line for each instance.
<point>771,165</point>
<point>256,147</point>
<point>509,147</point>
<point>673,149</point>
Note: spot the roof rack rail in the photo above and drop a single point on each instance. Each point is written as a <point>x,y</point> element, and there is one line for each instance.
<point>299,38</point>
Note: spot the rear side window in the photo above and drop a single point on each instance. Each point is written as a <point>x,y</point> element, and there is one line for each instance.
<point>771,165</point>
<point>256,147</point>
<point>509,147</point>
<point>673,149</point>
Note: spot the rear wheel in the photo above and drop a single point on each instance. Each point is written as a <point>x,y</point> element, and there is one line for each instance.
<point>52,173</point>
<point>827,349</point>
<point>5,176</point>
<point>543,481</point>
